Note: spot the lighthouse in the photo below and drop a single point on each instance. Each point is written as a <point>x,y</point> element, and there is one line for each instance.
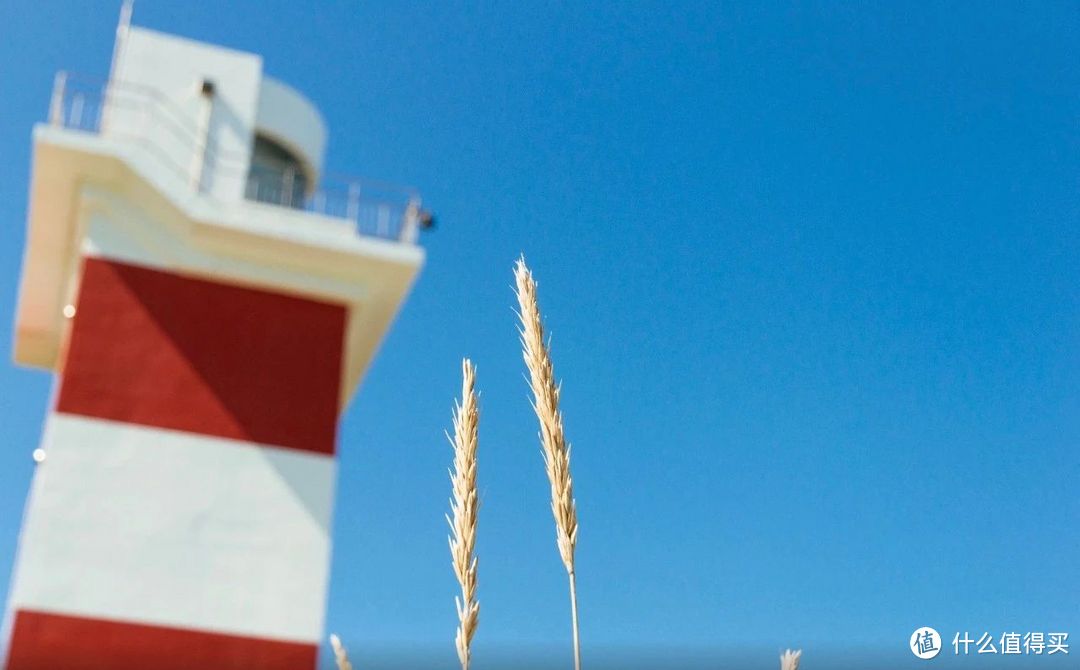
<point>208,298</point>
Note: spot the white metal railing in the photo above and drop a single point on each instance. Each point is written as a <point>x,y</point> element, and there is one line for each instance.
<point>147,118</point>
<point>376,209</point>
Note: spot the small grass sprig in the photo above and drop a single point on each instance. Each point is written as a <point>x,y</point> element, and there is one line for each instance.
<point>464,506</point>
<point>340,656</point>
<point>789,660</point>
<point>555,449</point>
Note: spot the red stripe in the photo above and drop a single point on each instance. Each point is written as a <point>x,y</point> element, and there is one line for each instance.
<point>159,349</point>
<point>42,641</point>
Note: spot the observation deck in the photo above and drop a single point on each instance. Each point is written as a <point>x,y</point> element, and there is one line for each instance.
<point>282,166</point>
<point>188,158</point>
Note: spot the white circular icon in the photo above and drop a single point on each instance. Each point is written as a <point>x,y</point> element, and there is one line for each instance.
<point>925,643</point>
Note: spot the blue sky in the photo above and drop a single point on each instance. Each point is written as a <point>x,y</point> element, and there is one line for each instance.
<point>811,273</point>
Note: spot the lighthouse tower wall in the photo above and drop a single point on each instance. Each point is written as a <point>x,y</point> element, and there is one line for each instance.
<point>204,346</point>
<point>186,496</point>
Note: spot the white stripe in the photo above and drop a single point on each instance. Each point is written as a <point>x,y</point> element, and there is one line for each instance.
<point>176,529</point>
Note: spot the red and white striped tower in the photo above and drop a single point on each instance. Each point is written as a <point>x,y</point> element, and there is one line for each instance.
<point>209,303</point>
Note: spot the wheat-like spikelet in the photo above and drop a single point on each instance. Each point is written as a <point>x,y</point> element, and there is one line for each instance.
<point>789,660</point>
<point>553,443</point>
<point>464,506</point>
<point>340,656</point>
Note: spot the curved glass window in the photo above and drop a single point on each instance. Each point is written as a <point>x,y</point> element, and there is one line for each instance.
<point>276,176</point>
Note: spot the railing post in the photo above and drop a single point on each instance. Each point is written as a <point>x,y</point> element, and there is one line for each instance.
<point>287,187</point>
<point>382,221</point>
<point>56,104</point>
<point>352,208</point>
<point>77,103</point>
<point>410,222</point>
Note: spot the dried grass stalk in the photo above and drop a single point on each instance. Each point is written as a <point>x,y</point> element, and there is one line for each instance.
<point>556,451</point>
<point>789,660</point>
<point>340,656</point>
<point>464,505</point>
